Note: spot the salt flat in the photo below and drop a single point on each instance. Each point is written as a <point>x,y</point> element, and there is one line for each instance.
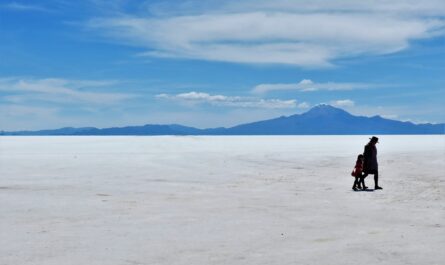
<point>219,200</point>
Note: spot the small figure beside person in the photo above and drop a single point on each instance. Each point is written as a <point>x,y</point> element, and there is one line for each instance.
<point>367,165</point>
<point>359,182</point>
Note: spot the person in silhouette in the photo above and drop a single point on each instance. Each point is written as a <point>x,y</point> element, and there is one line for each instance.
<point>370,165</point>
<point>359,182</point>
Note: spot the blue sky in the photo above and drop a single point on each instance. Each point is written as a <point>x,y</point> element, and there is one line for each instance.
<point>217,63</point>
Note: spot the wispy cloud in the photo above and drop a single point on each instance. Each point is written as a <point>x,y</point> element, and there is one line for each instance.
<point>432,114</point>
<point>302,33</point>
<point>17,116</point>
<point>230,101</point>
<point>406,7</point>
<point>59,90</point>
<point>307,85</point>
<point>24,7</point>
<point>15,110</point>
<point>343,103</point>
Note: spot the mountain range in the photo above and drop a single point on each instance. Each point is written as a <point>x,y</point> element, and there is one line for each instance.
<point>320,120</point>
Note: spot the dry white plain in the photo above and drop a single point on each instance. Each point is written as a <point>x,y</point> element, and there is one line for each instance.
<point>219,200</point>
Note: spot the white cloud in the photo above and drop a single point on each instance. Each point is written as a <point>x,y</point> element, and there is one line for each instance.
<point>303,105</point>
<point>302,33</point>
<point>228,101</point>
<point>343,103</point>
<point>306,85</point>
<point>59,90</point>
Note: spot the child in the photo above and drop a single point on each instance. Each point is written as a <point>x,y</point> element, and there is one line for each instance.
<point>357,173</point>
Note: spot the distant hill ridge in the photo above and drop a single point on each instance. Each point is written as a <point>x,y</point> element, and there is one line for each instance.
<point>320,120</point>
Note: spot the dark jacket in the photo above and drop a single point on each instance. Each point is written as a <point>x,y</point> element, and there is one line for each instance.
<point>370,158</point>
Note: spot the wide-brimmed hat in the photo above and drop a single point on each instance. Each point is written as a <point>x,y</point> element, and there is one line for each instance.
<point>374,139</point>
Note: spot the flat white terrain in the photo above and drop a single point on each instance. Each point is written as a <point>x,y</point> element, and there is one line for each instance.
<point>219,200</point>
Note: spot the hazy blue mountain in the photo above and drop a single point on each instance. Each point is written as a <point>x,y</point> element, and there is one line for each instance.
<point>173,129</point>
<point>325,119</point>
<point>320,120</point>
<point>61,131</point>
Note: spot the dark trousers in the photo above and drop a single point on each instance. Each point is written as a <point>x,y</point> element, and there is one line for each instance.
<point>376,176</point>
<point>359,181</point>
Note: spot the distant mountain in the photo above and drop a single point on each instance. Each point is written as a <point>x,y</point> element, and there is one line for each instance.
<point>320,120</point>
<point>148,129</point>
<point>61,131</point>
<point>327,120</point>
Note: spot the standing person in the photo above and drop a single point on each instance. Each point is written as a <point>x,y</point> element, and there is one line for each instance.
<point>370,165</point>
